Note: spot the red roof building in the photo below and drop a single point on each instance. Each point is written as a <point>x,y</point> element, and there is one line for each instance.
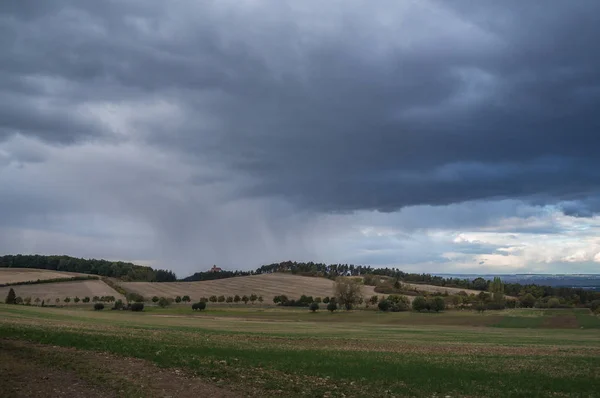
<point>215,269</point>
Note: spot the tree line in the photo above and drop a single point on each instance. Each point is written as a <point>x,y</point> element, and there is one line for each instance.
<point>115,269</point>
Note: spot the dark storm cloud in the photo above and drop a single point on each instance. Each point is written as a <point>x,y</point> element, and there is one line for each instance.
<point>331,106</point>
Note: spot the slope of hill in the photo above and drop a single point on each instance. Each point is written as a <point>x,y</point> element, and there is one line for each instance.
<point>51,291</point>
<point>266,285</point>
<point>16,275</point>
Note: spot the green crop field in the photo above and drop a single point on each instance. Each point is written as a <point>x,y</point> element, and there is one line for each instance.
<point>262,351</point>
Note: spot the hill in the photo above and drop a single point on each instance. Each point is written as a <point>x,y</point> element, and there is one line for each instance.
<point>17,275</point>
<point>52,291</point>
<point>266,285</point>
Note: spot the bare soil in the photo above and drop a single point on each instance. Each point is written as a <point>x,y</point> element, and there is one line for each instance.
<point>36,370</point>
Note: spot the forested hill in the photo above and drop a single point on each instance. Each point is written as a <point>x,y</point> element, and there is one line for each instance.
<point>116,269</point>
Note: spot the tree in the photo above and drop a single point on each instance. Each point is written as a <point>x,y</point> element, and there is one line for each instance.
<point>95,299</point>
<point>347,292</point>
<point>212,299</point>
<point>253,298</point>
<point>373,300</point>
<point>98,306</point>
<point>118,304</point>
<point>318,300</point>
<point>178,299</point>
<point>595,306</point>
<point>163,302</point>
<point>221,299</point>
<point>527,301</point>
<point>437,304</point>
<point>245,299</point>
<point>57,300</point>
<point>457,300</point>
<point>67,300</point>
<point>326,300</point>
<point>11,297</point>
<point>137,307</point>
<point>86,299</point>
<point>237,299</point>
<point>37,300</point>
<point>204,299</point>
<point>419,304</point>
<point>155,299</point>
<point>479,284</point>
<point>43,303</point>
<point>186,299</point>
<point>553,303</point>
<point>260,299</point>
<point>229,299</point>
<point>314,306</point>
<point>384,305</point>
<point>497,290</point>
<point>18,300</point>
<point>332,306</point>
<point>199,306</point>
<point>397,284</point>
<point>76,299</point>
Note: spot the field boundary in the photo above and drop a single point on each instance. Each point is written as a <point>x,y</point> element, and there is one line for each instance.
<point>52,280</point>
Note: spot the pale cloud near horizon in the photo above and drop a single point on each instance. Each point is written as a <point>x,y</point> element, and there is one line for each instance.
<point>431,136</point>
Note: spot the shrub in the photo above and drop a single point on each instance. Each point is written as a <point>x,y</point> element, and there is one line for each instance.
<point>527,301</point>
<point>186,299</point>
<point>314,306</point>
<point>67,299</point>
<point>163,302</point>
<point>260,299</point>
<point>318,300</point>
<point>420,304</point>
<point>245,299</point>
<point>494,305</point>
<point>37,300</point>
<point>86,299</point>
<point>76,299</point>
<point>57,300</point>
<point>178,299</point>
<point>118,305</point>
<point>332,306</point>
<point>384,305</point>
<point>511,303</point>
<point>237,299</point>
<point>373,300</point>
<point>326,300</point>
<point>253,298</point>
<point>137,307</point>
<point>96,298</point>
<point>155,299</point>
<point>135,297</point>
<point>213,299</point>
<point>595,306</point>
<point>199,306</point>
<point>204,299</point>
<point>398,303</point>
<point>437,304</point>
<point>553,303</point>
<point>221,299</point>
<point>480,306</point>
<point>229,299</point>
<point>43,303</point>
<point>19,300</point>
<point>98,307</point>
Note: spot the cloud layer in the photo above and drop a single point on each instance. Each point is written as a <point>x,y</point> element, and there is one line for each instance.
<point>188,133</point>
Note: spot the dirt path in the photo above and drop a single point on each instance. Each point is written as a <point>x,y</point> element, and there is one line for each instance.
<point>36,370</point>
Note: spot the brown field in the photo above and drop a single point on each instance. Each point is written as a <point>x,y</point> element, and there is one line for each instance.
<point>51,291</point>
<point>266,285</point>
<point>13,275</point>
<point>441,289</point>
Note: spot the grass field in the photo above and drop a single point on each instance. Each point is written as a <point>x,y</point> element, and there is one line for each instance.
<point>261,352</point>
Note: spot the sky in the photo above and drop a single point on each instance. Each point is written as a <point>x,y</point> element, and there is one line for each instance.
<point>432,136</point>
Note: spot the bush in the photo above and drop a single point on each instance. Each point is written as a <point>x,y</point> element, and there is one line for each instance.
<point>347,292</point>
<point>135,297</point>
<point>437,304</point>
<point>553,303</point>
<point>237,299</point>
<point>398,303</point>
<point>527,301</point>
<point>332,306</point>
<point>19,300</point>
<point>137,307</point>
<point>326,300</point>
<point>118,305</point>
<point>495,306</point>
<point>155,299</point>
<point>199,306</point>
<point>98,307</point>
<point>229,299</point>
<point>178,299</point>
<point>480,306</point>
<point>314,306</point>
<point>186,299</point>
<point>595,306</point>
<point>384,305</point>
<point>163,302</point>
<point>86,300</point>
<point>203,299</point>
<point>76,299</point>
<point>318,300</point>
<point>245,299</point>
<point>420,304</point>
<point>213,299</point>
<point>221,299</point>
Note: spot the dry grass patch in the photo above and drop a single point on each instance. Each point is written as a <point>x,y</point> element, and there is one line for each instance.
<point>14,275</point>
